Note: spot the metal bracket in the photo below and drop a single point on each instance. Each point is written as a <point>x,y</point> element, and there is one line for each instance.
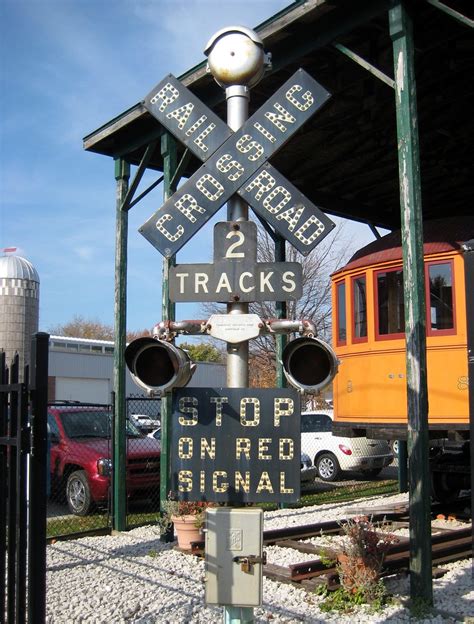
<point>168,330</point>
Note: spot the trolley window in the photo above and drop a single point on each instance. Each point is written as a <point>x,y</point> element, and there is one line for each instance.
<point>341,313</point>
<point>359,308</point>
<point>389,304</point>
<point>440,311</point>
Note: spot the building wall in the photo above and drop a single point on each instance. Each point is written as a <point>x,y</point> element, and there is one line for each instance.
<point>90,375</point>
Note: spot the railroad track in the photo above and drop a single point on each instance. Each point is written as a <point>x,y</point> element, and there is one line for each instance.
<point>447,545</point>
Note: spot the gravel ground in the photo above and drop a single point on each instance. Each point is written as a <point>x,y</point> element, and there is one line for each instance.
<point>134,578</point>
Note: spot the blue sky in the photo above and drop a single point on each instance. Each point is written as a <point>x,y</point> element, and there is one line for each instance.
<point>66,68</point>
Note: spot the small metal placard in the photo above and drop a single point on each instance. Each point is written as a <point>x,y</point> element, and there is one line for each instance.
<point>234,328</point>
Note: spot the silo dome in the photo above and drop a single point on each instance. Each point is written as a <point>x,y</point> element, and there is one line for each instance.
<point>19,307</point>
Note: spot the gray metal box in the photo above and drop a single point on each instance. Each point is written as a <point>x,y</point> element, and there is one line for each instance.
<point>234,567</point>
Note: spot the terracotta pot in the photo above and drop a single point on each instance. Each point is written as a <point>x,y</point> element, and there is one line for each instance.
<point>186,531</point>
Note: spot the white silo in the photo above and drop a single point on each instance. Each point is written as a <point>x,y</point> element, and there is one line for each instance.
<point>19,307</point>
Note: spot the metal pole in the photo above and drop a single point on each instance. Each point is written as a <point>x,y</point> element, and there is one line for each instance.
<point>281,313</point>
<point>237,210</point>
<point>119,494</point>
<point>168,311</point>
<point>401,32</point>
<point>237,354</point>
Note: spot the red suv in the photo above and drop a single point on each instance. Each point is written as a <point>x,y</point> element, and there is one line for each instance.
<point>80,457</point>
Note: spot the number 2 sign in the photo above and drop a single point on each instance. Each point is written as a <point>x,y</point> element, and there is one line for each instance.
<point>235,274</point>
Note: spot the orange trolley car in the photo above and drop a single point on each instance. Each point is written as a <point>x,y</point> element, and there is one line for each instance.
<point>370,395</point>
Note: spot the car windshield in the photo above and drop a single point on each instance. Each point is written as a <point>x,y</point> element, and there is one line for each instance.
<point>92,424</point>
<point>315,422</point>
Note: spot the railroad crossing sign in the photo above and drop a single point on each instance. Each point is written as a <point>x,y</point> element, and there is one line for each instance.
<point>236,162</point>
<point>235,274</point>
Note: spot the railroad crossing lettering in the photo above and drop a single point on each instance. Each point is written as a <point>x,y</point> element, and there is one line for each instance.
<point>230,166</point>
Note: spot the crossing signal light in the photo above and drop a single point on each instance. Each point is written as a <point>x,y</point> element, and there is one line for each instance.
<point>158,366</point>
<point>309,364</point>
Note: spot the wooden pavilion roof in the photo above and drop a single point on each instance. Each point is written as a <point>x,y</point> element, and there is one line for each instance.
<point>345,158</point>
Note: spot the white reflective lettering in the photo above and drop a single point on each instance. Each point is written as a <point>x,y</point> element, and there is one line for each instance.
<point>185,448</point>
<point>307,97</point>
<point>265,281</point>
<point>181,114</point>
<point>186,204</point>
<point>246,144</point>
<point>268,135</point>
<point>206,179</point>
<point>223,283</point>
<point>199,140</point>
<point>181,277</point>
<point>244,403</point>
<point>283,488</point>
<point>166,94</point>
<point>263,448</point>
<point>263,182</point>
<point>216,486</point>
<point>184,408</point>
<point>292,215</point>
<point>286,448</point>
<point>278,192</point>
<point>226,163</point>
<point>282,406</point>
<point>196,125</point>
<point>200,281</point>
<point>241,282</point>
<point>319,229</point>
<point>160,226</point>
<point>289,281</point>
<point>276,119</point>
<point>185,481</point>
<point>219,402</point>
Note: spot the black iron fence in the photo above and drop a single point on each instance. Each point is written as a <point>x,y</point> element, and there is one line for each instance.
<point>23,476</point>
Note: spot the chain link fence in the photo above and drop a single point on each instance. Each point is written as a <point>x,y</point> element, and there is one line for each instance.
<point>80,445</point>
<point>143,461</point>
<point>80,450</point>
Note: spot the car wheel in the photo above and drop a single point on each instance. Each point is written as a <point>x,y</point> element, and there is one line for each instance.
<point>328,467</point>
<point>394,447</point>
<point>371,474</point>
<point>78,494</point>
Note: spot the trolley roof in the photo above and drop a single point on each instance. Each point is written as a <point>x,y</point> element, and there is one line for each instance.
<point>439,235</point>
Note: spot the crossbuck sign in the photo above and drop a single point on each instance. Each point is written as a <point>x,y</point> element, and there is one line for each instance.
<point>236,162</point>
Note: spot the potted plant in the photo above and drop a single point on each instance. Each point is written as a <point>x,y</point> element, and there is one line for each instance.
<point>361,557</point>
<point>187,518</point>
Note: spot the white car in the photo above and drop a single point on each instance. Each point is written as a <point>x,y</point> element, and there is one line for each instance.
<point>333,454</point>
<point>145,422</point>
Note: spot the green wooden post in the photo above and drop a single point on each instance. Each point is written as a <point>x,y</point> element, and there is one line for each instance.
<point>119,495</point>
<point>168,309</point>
<point>415,324</point>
